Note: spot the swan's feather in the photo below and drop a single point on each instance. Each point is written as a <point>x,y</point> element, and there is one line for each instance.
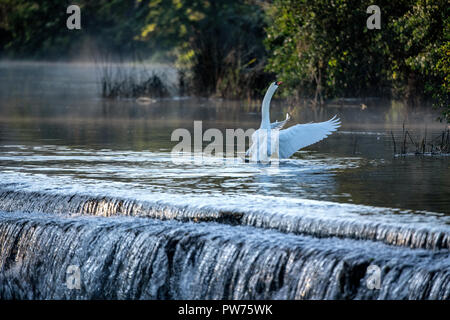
<point>278,125</point>
<point>302,135</point>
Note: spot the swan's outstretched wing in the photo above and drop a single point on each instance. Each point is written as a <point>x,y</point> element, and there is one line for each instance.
<point>302,135</point>
<point>279,125</point>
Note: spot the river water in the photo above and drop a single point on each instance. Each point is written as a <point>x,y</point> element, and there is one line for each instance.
<point>91,183</point>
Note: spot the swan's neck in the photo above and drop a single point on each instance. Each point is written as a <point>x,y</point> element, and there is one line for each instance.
<point>265,118</point>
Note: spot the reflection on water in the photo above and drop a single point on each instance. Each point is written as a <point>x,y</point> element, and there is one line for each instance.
<point>53,124</point>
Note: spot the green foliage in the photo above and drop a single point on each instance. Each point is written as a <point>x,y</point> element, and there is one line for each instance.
<point>323,48</point>
<point>26,26</point>
<point>441,92</point>
<point>319,48</point>
<point>219,42</point>
<point>420,37</point>
<point>37,29</point>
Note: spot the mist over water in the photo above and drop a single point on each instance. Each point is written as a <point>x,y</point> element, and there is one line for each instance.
<point>91,182</point>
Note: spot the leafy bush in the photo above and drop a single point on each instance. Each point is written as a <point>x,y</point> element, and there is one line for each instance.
<point>218,43</point>
<point>322,49</point>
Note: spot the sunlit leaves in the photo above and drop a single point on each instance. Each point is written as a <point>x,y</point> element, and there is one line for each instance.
<point>322,45</point>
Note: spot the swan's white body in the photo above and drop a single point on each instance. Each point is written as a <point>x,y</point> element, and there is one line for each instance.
<point>270,141</point>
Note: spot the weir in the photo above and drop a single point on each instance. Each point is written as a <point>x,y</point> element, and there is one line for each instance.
<point>135,249</point>
<point>138,258</point>
<point>425,232</point>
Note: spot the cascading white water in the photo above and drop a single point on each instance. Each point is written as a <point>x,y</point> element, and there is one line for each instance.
<point>135,258</point>
<point>310,217</point>
<point>205,254</point>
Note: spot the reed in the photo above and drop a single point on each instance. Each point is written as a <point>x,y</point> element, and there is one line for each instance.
<point>129,79</point>
<point>426,145</point>
<point>125,81</point>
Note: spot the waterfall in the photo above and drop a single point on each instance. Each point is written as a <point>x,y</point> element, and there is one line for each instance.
<point>133,249</point>
<point>137,258</point>
<point>417,235</point>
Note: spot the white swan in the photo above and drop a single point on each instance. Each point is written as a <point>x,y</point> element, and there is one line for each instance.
<point>269,140</point>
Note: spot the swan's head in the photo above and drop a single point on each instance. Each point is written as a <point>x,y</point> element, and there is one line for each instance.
<point>271,90</point>
<point>276,84</point>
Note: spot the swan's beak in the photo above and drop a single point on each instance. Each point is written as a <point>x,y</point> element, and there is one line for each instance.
<point>279,83</point>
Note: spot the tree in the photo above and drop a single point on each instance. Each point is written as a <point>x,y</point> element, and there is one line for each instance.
<point>218,42</point>
<point>323,48</point>
<point>420,52</point>
<point>37,29</point>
